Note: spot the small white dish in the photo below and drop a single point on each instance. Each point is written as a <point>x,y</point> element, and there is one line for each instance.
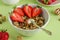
<point>10,2</point>
<point>53,4</point>
<point>35,31</point>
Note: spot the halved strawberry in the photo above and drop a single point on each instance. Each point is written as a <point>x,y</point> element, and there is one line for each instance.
<point>42,1</point>
<point>53,0</point>
<point>13,17</point>
<point>16,17</point>
<point>48,2</point>
<point>18,11</point>
<point>36,11</point>
<point>27,10</point>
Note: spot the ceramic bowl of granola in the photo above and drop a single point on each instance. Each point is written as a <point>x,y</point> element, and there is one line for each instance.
<point>19,19</point>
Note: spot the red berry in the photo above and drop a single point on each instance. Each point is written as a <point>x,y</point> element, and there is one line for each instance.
<point>47,2</point>
<point>4,39</point>
<point>16,17</point>
<point>5,35</point>
<point>18,11</point>
<point>36,11</point>
<point>53,0</point>
<point>0,35</point>
<point>28,10</point>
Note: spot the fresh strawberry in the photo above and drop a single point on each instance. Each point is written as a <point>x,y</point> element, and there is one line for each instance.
<point>0,35</point>
<point>27,10</point>
<point>48,2</point>
<point>42,1</point>
<point>4,39</point>
<point>5,35</point>
<point>16,17</point>
<point>13,17</point>
<point>18,11</point>
<point>36,11</point>
<point>20,18</point>
<point>53,0</point>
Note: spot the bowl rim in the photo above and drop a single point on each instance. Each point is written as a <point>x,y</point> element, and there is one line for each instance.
<point>33,29</point>
<point>10,2</point>
<point>47,5</point>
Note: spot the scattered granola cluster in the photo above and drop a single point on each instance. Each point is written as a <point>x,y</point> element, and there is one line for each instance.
<point>2,18</point>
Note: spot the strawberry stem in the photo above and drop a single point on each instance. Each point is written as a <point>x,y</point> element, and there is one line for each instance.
<point>39,7</point>
<point>14,7</point>
<point>46,1</point>
<point>10,13</point>
<point>4,30</point>
<point>25,4</point>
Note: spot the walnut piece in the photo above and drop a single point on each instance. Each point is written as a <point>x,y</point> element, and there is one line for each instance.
<point>57,11</point>
<point>19,38</point>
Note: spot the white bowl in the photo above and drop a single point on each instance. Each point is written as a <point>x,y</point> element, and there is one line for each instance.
<point>10,2</point>
<point>53,4</point>
<point>35,31</point>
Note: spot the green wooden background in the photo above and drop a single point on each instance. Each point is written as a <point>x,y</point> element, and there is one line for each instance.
<point>53,25</point>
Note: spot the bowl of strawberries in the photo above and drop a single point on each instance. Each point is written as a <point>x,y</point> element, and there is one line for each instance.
<point>20,17</point>
<point>49,2</point>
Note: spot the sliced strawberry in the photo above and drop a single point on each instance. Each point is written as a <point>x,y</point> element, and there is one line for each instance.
<point>16,17</point>
<point>36,11</point>
<point>0,35</point>
<point>18,11</point>
<point>20,18</point>
<point>48,2</point>
<point>28,10</point>
<point>42,1</point>
<point>53,0</point>
<point>13,17</point>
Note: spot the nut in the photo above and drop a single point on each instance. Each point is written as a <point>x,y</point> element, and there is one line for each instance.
<point>16,24</point>
<point>59,19</point>
<point>4,18</point>
<point>19,38</point>
<point>0,15</point>
<point>41,18</point>
<point>1,20</point>
<point>57,11</point>
<point>40,23</point>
